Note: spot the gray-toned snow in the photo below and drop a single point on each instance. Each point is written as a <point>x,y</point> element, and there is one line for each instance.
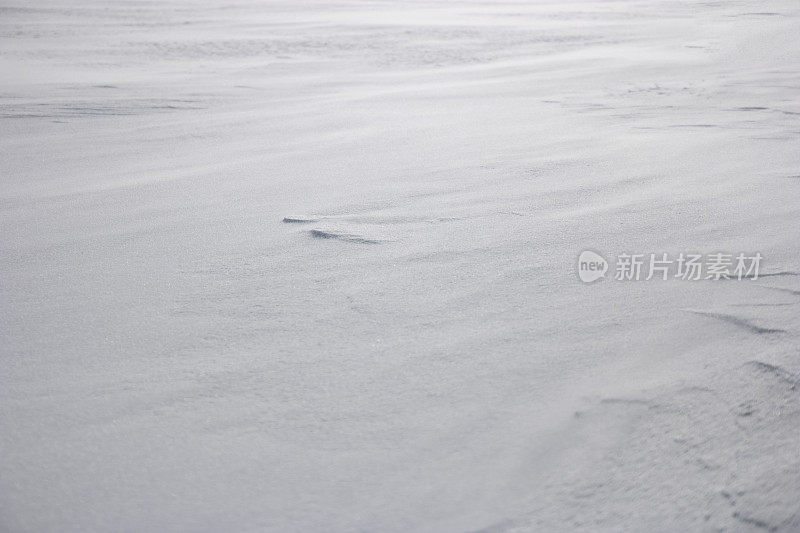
<point>310,266</point>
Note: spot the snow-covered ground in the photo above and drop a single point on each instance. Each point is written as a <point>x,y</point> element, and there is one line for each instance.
<point>271,265</point>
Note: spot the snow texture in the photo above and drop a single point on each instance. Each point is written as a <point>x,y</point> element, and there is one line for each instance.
<point>284,266</point>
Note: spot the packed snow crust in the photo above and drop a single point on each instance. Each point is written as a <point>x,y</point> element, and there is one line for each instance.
<point>269,265</point>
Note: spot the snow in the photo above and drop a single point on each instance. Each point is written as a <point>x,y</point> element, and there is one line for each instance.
<point>310,266</point>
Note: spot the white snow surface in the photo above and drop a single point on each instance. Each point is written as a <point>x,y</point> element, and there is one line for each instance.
<point>270,265</point>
